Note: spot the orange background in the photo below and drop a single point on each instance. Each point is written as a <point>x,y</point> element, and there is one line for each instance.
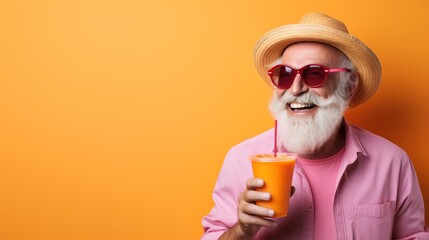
<point>115,116</point>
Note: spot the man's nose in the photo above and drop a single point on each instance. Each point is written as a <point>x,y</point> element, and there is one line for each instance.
<point>298,86</point>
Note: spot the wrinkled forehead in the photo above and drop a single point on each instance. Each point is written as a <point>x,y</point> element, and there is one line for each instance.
<point>302,53</point>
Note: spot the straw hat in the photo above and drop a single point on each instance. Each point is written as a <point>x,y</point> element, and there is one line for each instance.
<point>318,27</point>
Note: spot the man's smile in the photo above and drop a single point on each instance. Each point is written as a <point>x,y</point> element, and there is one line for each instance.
<point>301,107</point>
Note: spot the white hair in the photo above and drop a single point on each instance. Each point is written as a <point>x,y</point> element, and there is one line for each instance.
<point>347,81</point>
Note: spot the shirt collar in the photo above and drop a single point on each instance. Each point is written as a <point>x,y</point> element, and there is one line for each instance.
<point>353,145</point>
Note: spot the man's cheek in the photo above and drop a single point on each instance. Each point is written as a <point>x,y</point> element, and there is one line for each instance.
<point>280,92</point>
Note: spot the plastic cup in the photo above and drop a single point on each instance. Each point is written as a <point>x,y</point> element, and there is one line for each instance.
<point>277,174</point>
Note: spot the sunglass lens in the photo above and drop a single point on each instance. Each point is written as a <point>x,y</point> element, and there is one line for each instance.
<point>313,75</point>
<point>285,77</point>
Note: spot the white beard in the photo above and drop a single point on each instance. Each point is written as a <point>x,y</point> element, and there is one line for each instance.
<point>306,134</point>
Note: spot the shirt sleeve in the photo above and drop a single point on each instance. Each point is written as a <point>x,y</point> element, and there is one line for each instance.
<point>409,222</point>
<point>230,183</point>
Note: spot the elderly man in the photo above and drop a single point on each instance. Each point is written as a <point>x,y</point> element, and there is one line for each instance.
<point>349,183</point>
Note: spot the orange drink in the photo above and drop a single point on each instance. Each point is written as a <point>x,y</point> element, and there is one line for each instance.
<point>277,174</point>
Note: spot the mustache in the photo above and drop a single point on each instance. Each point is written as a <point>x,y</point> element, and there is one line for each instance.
<point>308,97</point>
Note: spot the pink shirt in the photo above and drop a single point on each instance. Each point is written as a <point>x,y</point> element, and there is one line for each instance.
<point>322,175</point>
<point>377,194</point>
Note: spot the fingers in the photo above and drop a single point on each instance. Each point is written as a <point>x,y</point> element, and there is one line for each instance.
<point>253,183</point>
<point>248,210</point>
<point>255,221</point>
<point>252,196</point>
<point>250,216</point>
<point>252,209</point>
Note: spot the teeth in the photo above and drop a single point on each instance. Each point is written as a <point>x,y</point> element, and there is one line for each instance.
<point>300,105</point>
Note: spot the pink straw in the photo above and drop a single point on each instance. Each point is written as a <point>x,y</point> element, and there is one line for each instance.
<point>275,138</point>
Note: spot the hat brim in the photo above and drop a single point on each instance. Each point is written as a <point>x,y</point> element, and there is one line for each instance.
<point>271,46</point>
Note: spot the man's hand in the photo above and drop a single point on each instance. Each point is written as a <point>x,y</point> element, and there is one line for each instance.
<point>250,216</point>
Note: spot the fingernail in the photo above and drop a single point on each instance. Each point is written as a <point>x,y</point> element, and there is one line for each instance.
<point>271,213</point>
<point>267,196</point>
<point>260,182</point>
